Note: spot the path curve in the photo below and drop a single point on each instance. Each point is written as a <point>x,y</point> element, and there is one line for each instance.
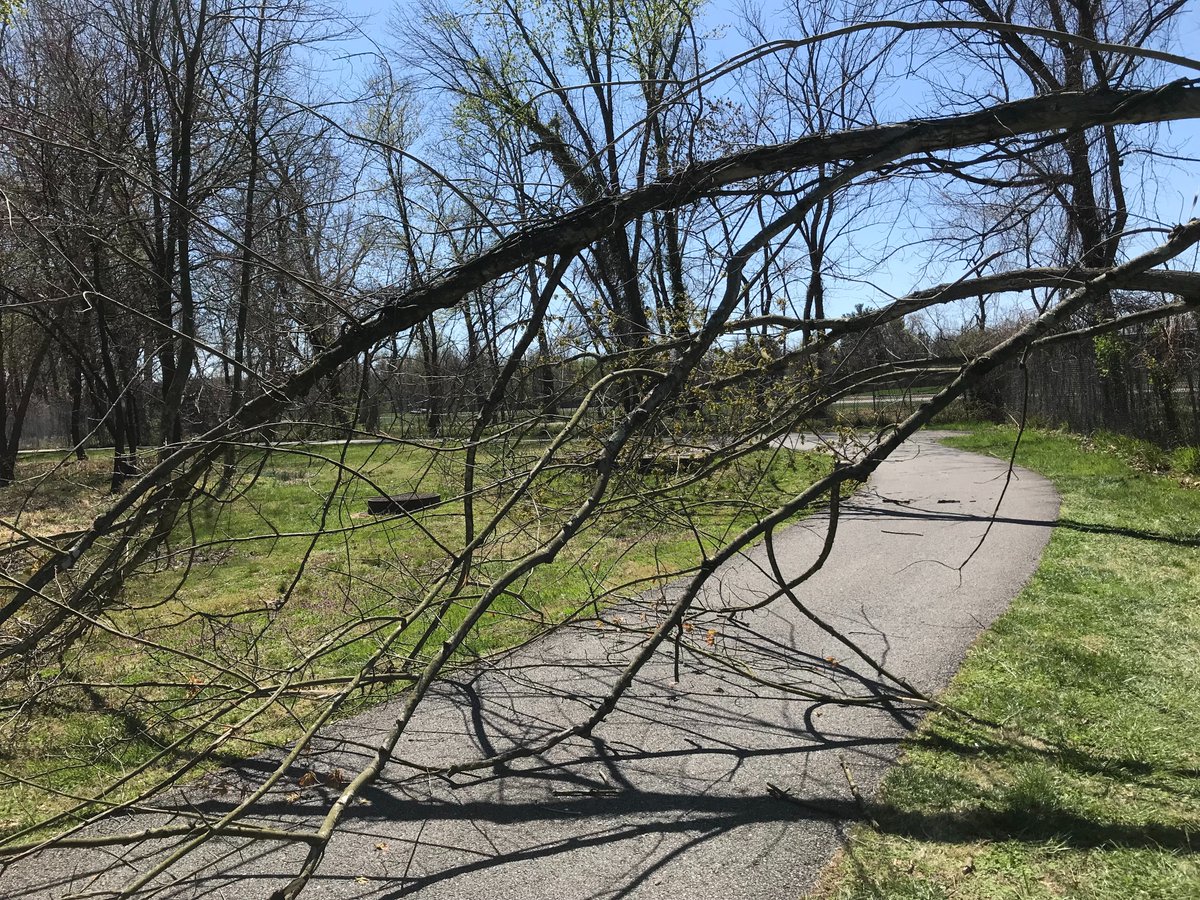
<point>674,796</point>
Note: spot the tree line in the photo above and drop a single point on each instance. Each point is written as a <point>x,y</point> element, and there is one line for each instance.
<point>193,216</point>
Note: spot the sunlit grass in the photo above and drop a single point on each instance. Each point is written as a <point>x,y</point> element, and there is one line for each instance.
<point>1087,781</point>
<point>222,600</point>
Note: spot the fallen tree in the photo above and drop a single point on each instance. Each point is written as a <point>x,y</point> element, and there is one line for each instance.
<point>73,588</point>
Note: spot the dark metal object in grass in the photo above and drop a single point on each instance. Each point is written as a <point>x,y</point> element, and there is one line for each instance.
<point>670,462</point>
<point>398,503</point>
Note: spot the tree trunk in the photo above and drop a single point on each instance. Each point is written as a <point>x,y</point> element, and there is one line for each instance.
<point>77,435</point>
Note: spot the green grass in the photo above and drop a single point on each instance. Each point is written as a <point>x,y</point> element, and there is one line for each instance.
<point>1086,780</point>
<point>226,599</point>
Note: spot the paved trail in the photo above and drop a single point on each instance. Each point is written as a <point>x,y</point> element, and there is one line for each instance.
<point>671,797</point>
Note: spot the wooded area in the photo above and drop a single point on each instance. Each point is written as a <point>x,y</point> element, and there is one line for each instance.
<point>557,261</point>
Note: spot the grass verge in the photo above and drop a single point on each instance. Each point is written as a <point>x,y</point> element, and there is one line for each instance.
<point>1086,781</point>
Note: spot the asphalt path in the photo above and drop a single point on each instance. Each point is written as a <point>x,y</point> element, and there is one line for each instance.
<point>712,785</point>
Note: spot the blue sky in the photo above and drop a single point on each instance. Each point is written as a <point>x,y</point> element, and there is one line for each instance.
<point>1172,199</point>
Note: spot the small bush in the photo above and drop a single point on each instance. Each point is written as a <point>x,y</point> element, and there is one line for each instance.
<point>1186,461</point>
<point>1142,456</point>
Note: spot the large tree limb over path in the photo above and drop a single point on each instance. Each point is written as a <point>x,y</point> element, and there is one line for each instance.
<point>727,782</point>
<point>690,764</point>
<point>872,147</point>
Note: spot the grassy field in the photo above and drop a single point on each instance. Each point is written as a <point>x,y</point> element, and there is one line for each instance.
<point>1079,773</point>
<point>224,597</point>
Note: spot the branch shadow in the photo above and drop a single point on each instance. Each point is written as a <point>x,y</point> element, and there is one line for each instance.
<point>1035,823</point>
<point>867,512</point>
<point>1029,814</point>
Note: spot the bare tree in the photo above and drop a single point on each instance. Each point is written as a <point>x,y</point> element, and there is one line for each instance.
<point>553,212</point>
